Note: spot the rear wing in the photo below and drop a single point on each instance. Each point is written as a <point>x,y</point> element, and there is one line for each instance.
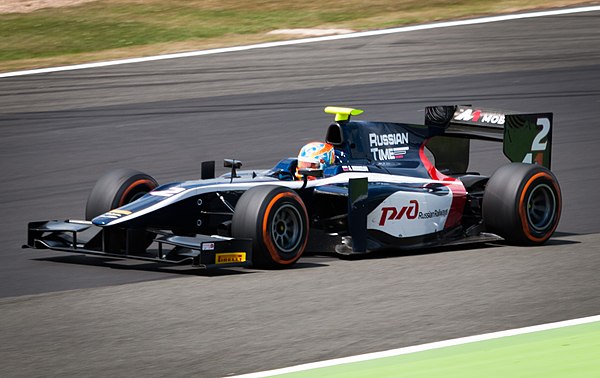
<point>526,138</point>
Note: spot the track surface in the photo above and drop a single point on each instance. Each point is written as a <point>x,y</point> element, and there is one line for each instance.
<point>59,132</point>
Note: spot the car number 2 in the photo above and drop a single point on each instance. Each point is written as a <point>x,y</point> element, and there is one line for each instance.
<point>537,144</point>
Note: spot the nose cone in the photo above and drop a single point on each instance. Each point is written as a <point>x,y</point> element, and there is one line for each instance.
<point>101,220</point>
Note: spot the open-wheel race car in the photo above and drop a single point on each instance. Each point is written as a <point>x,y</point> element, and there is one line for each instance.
<point>381,191</point>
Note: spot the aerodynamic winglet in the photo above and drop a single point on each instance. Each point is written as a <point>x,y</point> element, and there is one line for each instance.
<point>342,114</point>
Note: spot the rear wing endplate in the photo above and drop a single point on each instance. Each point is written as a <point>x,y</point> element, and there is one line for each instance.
<point>526,138</point>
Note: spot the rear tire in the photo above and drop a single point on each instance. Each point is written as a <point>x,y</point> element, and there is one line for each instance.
<point>522,203</point>
<point>275,218</point>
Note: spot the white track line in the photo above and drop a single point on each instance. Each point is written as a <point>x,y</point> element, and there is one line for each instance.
<point>423,347</point>
<point>406,29</point>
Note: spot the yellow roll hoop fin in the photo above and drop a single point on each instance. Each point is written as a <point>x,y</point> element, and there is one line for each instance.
<point>342,114</point>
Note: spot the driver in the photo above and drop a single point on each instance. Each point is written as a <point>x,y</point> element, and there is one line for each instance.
<point>315,155</point>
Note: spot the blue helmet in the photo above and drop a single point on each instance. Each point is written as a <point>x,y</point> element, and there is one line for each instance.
<point>316,155</point>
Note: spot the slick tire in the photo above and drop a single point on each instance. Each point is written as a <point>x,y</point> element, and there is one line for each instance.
<point>275,218</point>
<point>522,203</point>
<point>117,188</point>
<point>114,189</point>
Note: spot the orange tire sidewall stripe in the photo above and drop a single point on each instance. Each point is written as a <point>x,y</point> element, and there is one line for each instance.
<point>523,216</point>
<point>265,232</point>
<point>149,183</point>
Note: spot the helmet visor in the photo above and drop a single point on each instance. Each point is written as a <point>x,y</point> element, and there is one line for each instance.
<point>302,164</point>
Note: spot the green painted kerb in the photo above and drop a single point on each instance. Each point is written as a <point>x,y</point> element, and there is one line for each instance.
<point>564,352</point>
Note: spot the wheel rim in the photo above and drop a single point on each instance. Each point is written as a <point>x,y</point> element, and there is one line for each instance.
<point>541,207</point>
<point>287,228</point>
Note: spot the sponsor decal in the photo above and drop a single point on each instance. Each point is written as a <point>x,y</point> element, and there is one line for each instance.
<point>167,192</point>
<point>409,212</point>
<point>124,212</point>
<point>476,115</point>
<point>405,213</point>
<point>115,214</point>
<point>208,246</point>
<point>385,146</point>
<point>355,168</point>
<point>393,213</point>
<point>434,214</point>
<point>387,139</point>
<point>231,257</point>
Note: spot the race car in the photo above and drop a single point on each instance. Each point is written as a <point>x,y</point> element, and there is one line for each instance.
<point>380,191</point>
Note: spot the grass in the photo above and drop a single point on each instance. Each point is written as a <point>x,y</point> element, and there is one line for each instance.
<point>112,29</point>
<point>563,352</point>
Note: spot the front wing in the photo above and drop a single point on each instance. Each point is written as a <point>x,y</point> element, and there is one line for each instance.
<point>201,251</point>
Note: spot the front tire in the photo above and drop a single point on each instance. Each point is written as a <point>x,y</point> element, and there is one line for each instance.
<point>522,203</point>
<point>275,218</point>
<point>117,188</point>
<point>114,189</point>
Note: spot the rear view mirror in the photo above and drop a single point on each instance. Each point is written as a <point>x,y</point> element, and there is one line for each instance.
<point>232,163</point>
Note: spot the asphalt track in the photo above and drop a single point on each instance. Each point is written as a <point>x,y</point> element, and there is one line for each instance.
<point>89,316</point>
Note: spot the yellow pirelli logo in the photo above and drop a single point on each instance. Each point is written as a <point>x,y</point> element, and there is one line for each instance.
<point>232,257</point>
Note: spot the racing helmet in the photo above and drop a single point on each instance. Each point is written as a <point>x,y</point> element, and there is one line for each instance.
<point>315,155</point>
